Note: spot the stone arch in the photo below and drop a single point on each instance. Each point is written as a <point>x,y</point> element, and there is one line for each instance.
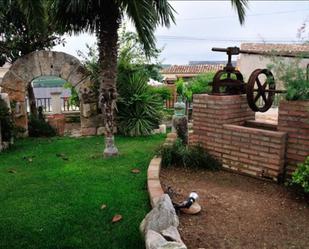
<point>36,64</point>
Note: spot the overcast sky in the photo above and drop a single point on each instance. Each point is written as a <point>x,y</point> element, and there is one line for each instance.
<point>201,25</point>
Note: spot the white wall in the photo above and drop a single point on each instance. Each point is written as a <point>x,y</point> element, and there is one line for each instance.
<point>44,92</point>
<point>247,63</point>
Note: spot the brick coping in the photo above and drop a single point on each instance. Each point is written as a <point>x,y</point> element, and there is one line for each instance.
<point>155,190</point>
<point>153,173</point>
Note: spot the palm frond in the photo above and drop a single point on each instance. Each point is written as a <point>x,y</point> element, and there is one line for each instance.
<point>240,6</point>
<point>76,15</point>
<point>34,11</point>
<point>147,15</point>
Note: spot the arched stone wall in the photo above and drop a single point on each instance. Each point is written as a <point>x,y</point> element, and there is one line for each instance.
<point>45,63</point>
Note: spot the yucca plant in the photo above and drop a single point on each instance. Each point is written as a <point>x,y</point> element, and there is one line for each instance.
<point>139,110</point>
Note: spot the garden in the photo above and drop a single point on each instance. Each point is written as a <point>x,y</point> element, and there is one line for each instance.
<point>137,174</point>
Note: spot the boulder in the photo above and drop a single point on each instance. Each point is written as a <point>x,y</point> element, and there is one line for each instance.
<point>155,240</point>
<point>160,226</point>
<point>161,217</point>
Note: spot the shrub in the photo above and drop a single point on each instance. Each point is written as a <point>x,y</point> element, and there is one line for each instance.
<point>294,78</point>
<point>40,128</point>
<point>180,87</point>
<point>301,176</point>
<point>163,92</point>
<point>139,111</point>
<point>74,98</point>
<point>7,126</point>
<point>180,155</point>
<point>200,84</point>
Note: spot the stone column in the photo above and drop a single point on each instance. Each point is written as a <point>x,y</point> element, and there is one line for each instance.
<point>56,102</point>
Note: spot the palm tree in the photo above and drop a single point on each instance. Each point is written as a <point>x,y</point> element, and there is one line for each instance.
<point>103,17</point>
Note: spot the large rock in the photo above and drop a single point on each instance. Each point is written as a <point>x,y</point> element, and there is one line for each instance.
<point>161,217</point>
<point>155,240</point>
<point>160,226</point>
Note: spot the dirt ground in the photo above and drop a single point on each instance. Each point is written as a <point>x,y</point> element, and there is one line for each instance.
<point>238,211</point>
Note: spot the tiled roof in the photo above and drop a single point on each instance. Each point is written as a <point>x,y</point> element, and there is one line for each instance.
<point>191,69</point>
<point>287,49</point>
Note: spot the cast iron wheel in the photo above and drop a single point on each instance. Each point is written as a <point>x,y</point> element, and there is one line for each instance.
<point>260,95</point>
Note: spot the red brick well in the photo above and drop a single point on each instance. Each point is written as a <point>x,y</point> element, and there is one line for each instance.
<point>218,125</point>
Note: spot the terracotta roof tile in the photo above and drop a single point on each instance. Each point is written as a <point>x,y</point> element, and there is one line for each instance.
<point>191,69</point>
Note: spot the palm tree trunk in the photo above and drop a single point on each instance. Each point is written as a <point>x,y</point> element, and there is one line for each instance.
<point>31,98</point>
<point>108,51</point>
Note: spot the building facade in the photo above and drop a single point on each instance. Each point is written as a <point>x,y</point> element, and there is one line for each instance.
<point>258,55</point>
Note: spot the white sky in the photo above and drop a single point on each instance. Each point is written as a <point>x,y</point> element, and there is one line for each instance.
<point>201,25</point>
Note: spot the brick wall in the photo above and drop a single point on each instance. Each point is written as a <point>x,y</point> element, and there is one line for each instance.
<point>254,151</point>
<point>294,119</point>
<point>210,113</point>
<point>218,125</point>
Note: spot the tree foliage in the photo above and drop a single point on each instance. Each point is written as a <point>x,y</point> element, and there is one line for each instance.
<point>77,15</point>
<point>24,27</point>
<point>294,77</point>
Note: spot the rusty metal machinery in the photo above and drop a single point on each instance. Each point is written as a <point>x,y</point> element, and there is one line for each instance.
<point>228,81</point>
<point>261,87</point>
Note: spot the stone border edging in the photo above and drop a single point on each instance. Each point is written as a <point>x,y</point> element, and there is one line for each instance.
<point>153,174</point>
<point>153,180</point>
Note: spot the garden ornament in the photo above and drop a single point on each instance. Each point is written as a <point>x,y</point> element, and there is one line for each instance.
<point>180,107</point>
<point>190,205</point>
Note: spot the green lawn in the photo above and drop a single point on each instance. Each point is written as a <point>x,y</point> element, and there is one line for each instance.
<point>56,203</point>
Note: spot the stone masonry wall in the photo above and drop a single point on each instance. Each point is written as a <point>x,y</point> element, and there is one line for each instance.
<point>294,119</point>
<point>49,63</point>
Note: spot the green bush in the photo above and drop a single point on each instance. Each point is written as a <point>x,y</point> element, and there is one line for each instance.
<point>301,176</point>
<point>180,87</point>
<point>74,98</point>
<point>139,111</point>
<point>179,155</point>
<point>294,78</point>
<point>163,92</point>
<point>200,84</point>
<point>7,125</point>
<point>40,128</point>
